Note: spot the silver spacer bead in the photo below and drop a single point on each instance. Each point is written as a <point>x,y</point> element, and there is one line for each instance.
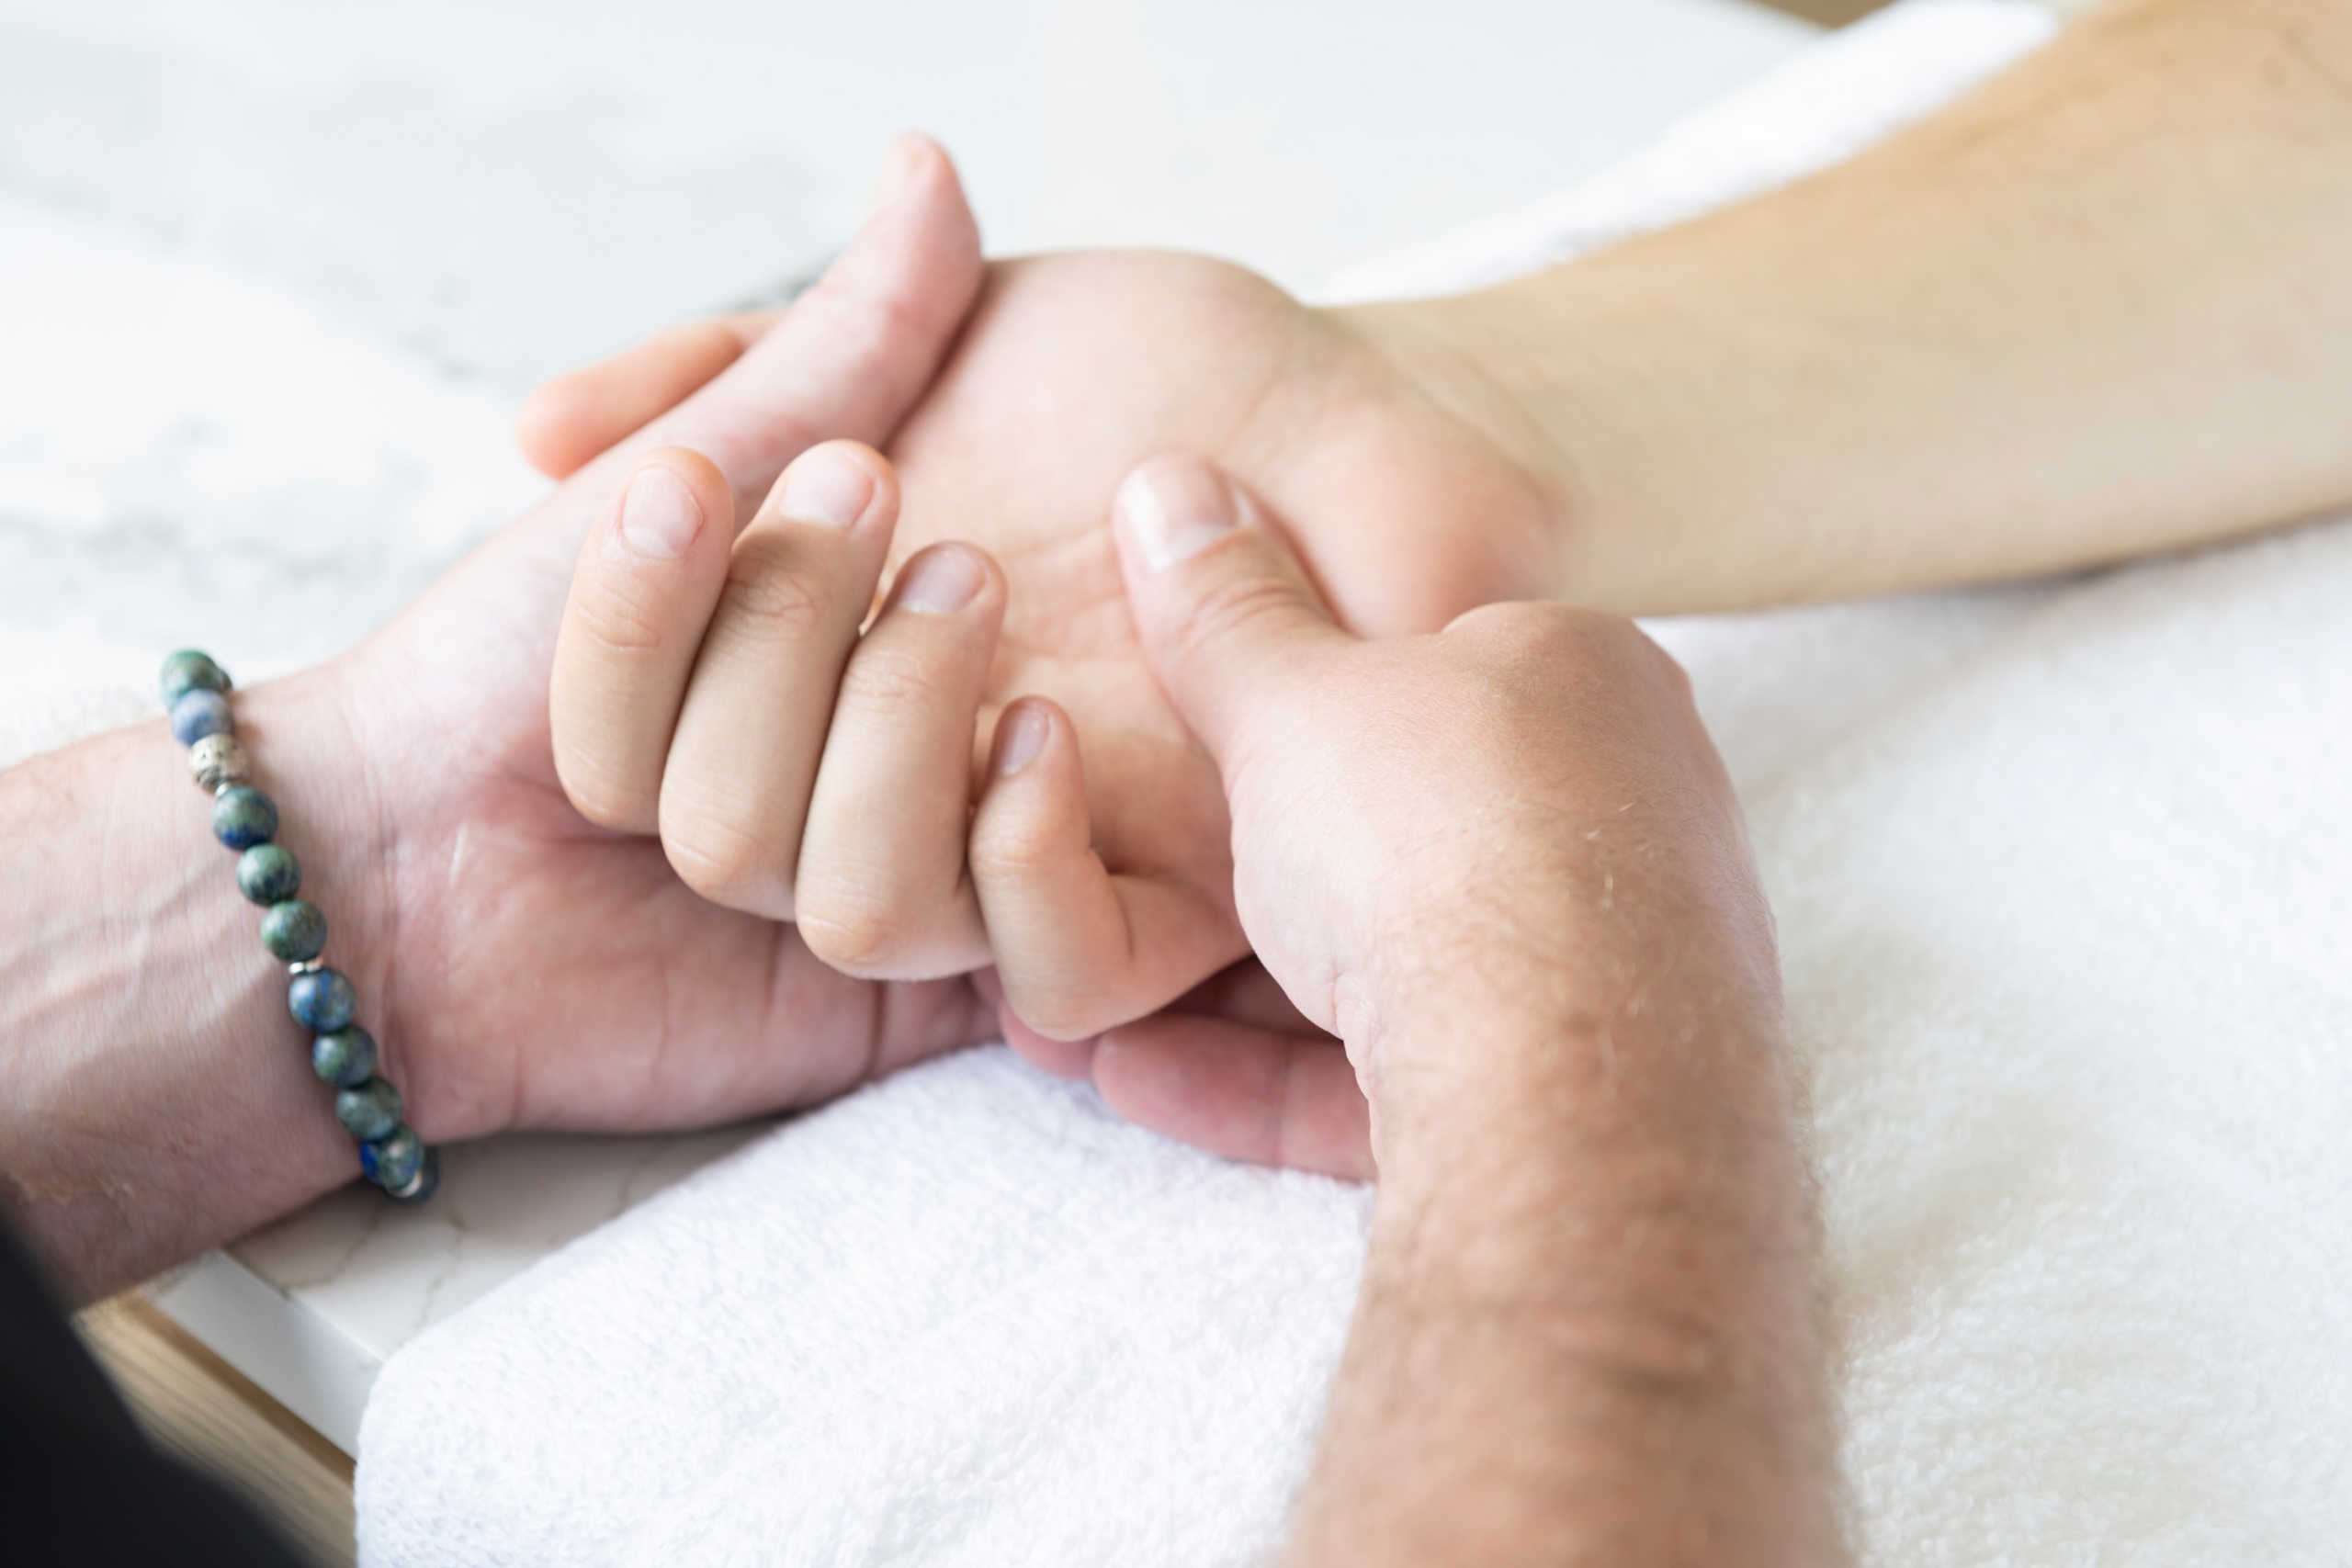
<point>308,966</point>
<point>410,1188</point>
<point>217,761</point>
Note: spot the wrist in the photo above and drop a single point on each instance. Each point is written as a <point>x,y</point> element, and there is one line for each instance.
<point>1449,353</point>
<point>155,1094</point>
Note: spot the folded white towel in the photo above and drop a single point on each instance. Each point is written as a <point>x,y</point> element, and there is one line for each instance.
<point>2065,877</point>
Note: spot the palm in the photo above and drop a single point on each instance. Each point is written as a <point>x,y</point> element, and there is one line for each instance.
<point>1073,369</point>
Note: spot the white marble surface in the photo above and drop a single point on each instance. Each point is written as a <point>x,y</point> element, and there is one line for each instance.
<point>273,272</point>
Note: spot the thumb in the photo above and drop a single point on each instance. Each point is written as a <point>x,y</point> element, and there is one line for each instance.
<point>1229,622</point>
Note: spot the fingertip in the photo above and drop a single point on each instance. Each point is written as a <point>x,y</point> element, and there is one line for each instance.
<point>1024,731</point>
<point>842,484</point>
<point>911,157</point>
<point>1072,1059</point>
<point>571,418</point>
<point>1171,507</point>
<point>552,428</point>
<point>1225,613</point>
<point>920,239</point>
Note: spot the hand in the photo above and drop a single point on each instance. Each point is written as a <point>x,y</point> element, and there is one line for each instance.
<point>1504,865</point>
<point>1071,370</point>
<point>532,969</point>
<point>1518,817</point>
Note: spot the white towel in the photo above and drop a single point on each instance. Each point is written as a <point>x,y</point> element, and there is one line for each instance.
<point>2062,879</point>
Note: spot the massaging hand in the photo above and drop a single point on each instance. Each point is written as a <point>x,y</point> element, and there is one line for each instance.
<point>1520,814</point>
<point>1072,369</point>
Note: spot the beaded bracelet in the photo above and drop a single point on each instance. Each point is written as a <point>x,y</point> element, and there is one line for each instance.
<point>391,1156</point>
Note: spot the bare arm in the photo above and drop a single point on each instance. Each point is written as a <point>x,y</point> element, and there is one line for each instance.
<point>2094,308</point>
<point>1504,867</point>
<point>1584,1333</point>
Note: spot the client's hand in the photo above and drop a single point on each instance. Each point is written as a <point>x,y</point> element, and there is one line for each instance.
<point>1072,369</point>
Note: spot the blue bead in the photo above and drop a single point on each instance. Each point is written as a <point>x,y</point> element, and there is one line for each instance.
<point>294,930</point>
<point>345,1057</point>
<point>269,873</point>
<point>244,817</point>
<point>392,1160</point>
<point>321,1001</point>
<point>368,1111</point>
<point>198,713</point>
<point>189,671</point>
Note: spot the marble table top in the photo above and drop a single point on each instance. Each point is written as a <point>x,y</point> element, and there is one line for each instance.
<point>273,275</point>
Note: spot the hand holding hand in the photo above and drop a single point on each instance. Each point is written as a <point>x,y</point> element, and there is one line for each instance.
<point>1071,370</point>
<point>531,968</point>
<point>1513,828</point>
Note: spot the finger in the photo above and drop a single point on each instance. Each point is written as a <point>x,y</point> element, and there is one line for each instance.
<point>853,354</point>
<point>642,593</point>
<point>1240,1091</point>
<point>881,891</point>
<point>848,360</point>
<point>735,789</point>
<point>1071,1059</point>
<point>1245,993</point>
<point>570,418</point>
<point>1063,1058</point>
<point>1227,615</point>
<point>1078,949</point>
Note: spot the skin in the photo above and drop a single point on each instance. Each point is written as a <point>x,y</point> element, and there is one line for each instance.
<point>520,967</point>
<point>2131,240</point>
<point>2087,312</point>
<point>1502,865</point>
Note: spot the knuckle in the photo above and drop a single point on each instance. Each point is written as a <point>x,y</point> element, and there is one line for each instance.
<point>597,791</point>
<point>727,864</point>
<point>620,615</point>
<point>1012,853</point>
<point>766,599</point>
<point>1231,610</point>
<point>851,933</point>
<point>882,676</point>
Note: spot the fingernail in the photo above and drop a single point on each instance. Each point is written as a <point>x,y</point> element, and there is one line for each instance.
<point>659,513</point>
<point>826,485</point>
<point>897,168</point>
<point>939,582</point>
<point>1020,736</point>
<point>1173,507</point>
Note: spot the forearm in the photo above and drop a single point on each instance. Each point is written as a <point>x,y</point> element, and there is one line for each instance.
<point>155,1096</point>
<point>1586,1328</point>
<point>2090,310</point>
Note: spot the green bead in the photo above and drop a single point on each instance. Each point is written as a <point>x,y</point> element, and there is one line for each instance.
<point>369,1110</point>
<point>394,1160</point>
<point>244,817</point>
<point>346,1058</point>
<point>321,1001</point>
<point>294,930</point>
<point>269,873</point>
<point>189,671</point>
